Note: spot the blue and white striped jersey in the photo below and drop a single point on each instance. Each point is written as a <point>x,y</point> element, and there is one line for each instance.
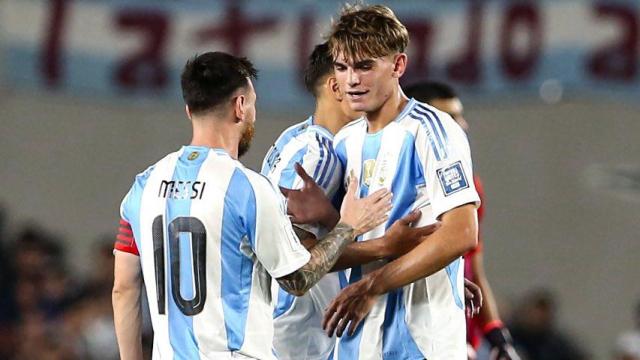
<point>298,331</point>
<point>211,234</point>
<point>423,158</point>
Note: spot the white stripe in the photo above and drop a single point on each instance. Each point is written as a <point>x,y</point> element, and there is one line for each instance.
<point>151,206</point>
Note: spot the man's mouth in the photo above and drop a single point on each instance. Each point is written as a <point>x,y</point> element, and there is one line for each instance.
<point>357,94</point>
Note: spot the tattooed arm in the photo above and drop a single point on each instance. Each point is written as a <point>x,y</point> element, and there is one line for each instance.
<point>323,256</point>
<point>357,217</point>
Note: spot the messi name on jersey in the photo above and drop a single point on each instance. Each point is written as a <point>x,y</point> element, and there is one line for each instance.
<point>181,190</point>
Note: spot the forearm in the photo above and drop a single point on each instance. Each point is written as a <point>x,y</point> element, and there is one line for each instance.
<point>457,235</point>
<point>360,253</point>
<point>323,257</point>
<point>489,311</point>
<point>128,321</point>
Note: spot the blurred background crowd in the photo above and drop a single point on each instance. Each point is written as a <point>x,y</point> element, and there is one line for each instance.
<point>48,311</point>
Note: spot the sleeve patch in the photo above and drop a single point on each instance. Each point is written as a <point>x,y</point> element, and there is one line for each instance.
<point>452,179</point>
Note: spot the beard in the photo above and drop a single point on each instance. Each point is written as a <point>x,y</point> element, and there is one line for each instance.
<point>245,141</point>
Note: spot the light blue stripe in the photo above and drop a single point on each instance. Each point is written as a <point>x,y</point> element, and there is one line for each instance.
<point>288,175</point>
<point>452,273</point>
<point>436,132</point>
<point>370,149</point>
<point>397,342</point>
<point>341,152</point>
<point>436,151</point>
<point>181,335</point>
<point>238,223</point>
<point>405,180</point>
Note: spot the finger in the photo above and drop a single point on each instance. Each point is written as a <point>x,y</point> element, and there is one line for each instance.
<point>428,230</point>
<point>468,294</point>
<point>354,325</point>
<point>352,188</point>
<point>378,195</point>
<point>342,325</point>
<point>303,174</point>
<point>332,324</point>
<point>328,313</point>
<point>411,217</point>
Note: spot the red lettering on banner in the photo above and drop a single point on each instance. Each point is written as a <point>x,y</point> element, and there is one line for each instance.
<point>147,68</point>
<point>306,24</point>
<point>420,34</point>
<point>617,61</point>
<point>467,67</point>
<point>51,56</point>
<point>236,28</point>
<point>523,17</point>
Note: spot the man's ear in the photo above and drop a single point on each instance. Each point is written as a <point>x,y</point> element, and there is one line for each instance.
<point>332,83</point>
<point>238,107</point>
<point>186,109</point>
<point>399,65</point>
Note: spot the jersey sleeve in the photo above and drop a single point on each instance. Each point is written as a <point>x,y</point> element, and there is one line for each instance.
<point>321,163</point>
<point>446,160</point>
<point>275,243</point>
<point>125,240</point>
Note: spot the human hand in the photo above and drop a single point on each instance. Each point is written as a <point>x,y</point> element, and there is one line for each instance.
<point>366,213</point>
<point>501,344</point>
<point>309,204</point>
<point>472,298</point>
<point>350,307</point>
<point>402,237</point>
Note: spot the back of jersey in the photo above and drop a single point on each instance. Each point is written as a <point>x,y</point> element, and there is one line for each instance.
<point>196,217</point>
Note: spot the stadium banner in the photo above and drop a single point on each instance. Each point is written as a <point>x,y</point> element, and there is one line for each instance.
<point>136,49</point>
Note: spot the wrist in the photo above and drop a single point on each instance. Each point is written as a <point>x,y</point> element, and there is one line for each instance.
<point>374,284</point>
<point>497,335</point>
<point>331,218</point>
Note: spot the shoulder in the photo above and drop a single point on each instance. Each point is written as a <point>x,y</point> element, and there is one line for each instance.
<point>292,132</point>
<point>253,181</point>
<point>351,128</point>
<point>140,180</point>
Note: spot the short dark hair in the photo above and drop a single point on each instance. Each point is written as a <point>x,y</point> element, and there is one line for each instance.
<point>320,65</point>
<point>427,91</point>
<point>211,78</point>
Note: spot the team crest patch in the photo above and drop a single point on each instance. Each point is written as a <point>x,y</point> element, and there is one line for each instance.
<point>452,178</point>
<point>194,155</point>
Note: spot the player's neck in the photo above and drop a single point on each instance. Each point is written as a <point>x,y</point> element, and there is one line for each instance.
<point>380,118</point>
<point>214,134</point>
<point>329,115</point>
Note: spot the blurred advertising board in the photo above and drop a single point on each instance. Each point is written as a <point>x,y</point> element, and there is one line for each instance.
<point>136,49</point>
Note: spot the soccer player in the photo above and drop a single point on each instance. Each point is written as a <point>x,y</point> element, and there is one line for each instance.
<point>488,324</point>
<point>298,331</point>
<point>207,235</point>
<point>412,307</point>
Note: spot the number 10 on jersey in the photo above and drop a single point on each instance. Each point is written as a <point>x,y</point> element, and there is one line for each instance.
<point>182,224</point>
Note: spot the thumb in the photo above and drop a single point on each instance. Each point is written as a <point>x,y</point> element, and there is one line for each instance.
<point>303,174</point>
<point>352,187</point>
